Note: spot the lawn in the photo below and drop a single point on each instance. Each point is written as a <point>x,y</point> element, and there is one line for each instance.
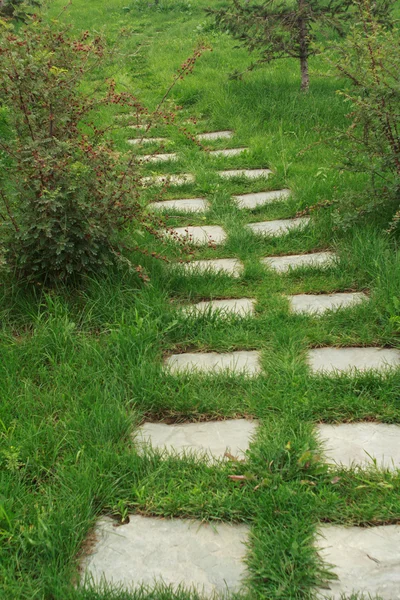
<point>81,370</point>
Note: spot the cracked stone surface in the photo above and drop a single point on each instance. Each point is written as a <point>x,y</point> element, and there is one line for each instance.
<point>237,363</point>
<point>215,135</point>
<point>358,444</point>
<point>229,266</point>
<point>249,173</point>
<point>139,141</point>
<point>365,559</point>
<point>241,307</point>
<point>282,264</point>
<point>317,304</point>
<point>190,205</point>
<point>176,552</point>
<point>158,157</point>
<point>208,234</point>
<point>257,199</point>
<point>211,439</point>
<point>171,179</point>
<point>347,360</point>
<point>278,227</point>
<point>227,152</point>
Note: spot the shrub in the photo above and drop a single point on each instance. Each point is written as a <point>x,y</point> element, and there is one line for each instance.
<point>67,197</point>
<point>369,59</point>
<point>16,8</point>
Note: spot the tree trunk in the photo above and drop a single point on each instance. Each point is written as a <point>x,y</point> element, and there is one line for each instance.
<point>303,43</point>
<point>305,78</point>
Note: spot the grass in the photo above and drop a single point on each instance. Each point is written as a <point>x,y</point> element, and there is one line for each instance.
<point>80,371</point>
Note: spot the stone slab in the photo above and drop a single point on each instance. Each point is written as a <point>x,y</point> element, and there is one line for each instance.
<point>145,551</point>
<point>257,199</point>
<point>282,264</point>
<point>208,234</point>
<point>229,266</point>
<point>278,227</point>
<point>242,307</point>
<point>210,439</point>
<point>348,360</point>
<point>170,179</point>
<point>248,173</point>
<point>158,157</point>
<point>190,205</point>
<point>242,362</point>
<point>317,304</point>
<point>358,444</point>
<point>366,560</point>
<point>228,152</point>
<point>215,135</point>
<point>139,141</point>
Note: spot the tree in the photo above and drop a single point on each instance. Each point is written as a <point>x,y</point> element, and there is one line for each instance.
<point>280,29</point>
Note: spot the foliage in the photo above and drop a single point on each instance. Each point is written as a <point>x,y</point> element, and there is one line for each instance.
<point>16,8</point>
<point>370,60</point>
<point>279,29</point>
<point>68,196</point>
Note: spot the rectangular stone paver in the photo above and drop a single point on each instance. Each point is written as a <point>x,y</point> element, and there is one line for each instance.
<point>257,199</point>
<point>241,307</point>
<point>282,264</point>
<point>229,266</point>
<point>279,227</point>
<point>170,179</point>
<point>145,551</point>
<point>358,444</point>
<point>138,141</point>
<point>347,360</point>
<point>248,173</point>
<point>210,439</point>
<point>317,304</point>
<point>158,157</point>
<point>237,363</point>
<point>228,152</point>
<point>208,234</point>
<point>215,135</point>
<point>366,560</point>
<point>184,205</point>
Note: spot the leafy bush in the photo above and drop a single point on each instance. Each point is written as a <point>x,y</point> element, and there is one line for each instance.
<point>66,197</point>
<point>16,8</point>
<point>370,60</point>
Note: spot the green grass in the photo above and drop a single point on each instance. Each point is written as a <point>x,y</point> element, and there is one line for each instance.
<point>80,371</point>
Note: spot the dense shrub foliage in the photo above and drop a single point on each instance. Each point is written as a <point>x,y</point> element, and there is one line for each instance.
<point>65,195</point>
<point>16,8</point>
<point>369,59</point>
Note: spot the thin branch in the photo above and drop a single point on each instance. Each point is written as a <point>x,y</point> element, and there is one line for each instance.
<point>8,209</point>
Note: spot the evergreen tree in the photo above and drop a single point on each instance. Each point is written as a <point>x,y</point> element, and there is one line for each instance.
<point>287,29</point>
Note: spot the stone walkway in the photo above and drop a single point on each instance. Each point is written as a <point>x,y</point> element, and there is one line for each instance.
<point>211,558</point>
<point>241,307</point>
<point>210,439</point>
<point>366,560</point>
